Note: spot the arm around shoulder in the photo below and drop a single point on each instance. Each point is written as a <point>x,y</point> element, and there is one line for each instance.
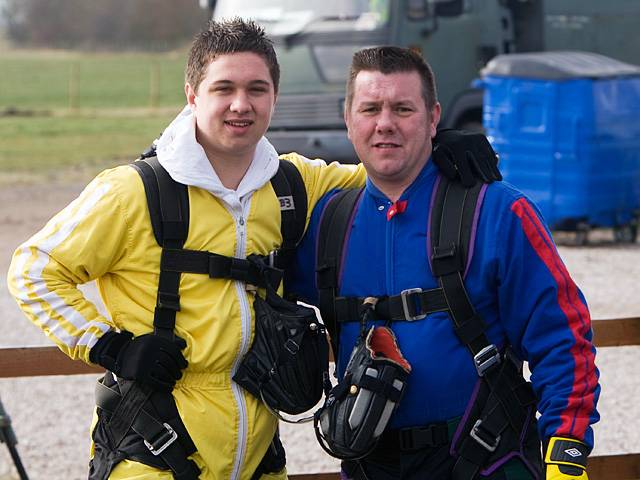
<point>320,177</point>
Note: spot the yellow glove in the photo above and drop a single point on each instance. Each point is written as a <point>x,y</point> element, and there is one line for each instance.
<point>566,459</point>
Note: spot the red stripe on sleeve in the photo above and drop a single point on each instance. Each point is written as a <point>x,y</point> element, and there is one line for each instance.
<point>580,405</point>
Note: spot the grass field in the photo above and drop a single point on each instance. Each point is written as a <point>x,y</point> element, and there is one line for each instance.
<point>40,144</point>
<point>79,111</point>
<point>45,80</point>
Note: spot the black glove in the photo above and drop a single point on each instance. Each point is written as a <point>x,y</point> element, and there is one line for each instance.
<point>151,149</point>
<point>466,156</point>
<point>150,359</point>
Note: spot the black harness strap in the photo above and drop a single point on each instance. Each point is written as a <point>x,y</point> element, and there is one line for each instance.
<point>451,234</point>
<point>168,204</point>
<point>334,224</point>
<point>450,237</point>
<point>216,266</point>
<point>451,230</point>
<point>292,196</point>
<point>170,442</point>
<point>410,305</point>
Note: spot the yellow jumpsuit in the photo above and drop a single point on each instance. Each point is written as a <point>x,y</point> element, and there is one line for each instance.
<point>106,235</point>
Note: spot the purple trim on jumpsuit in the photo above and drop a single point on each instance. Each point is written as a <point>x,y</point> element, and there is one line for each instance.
<point>465,417</point>
<point>476,216</point>
<point>347,237</point>
<point>433,199</point>
<point>519,454</point>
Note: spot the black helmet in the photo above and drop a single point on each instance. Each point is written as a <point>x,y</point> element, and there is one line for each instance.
<point>358,409</point>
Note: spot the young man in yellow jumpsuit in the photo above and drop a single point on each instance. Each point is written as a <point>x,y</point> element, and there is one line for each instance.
<point>215,146</point>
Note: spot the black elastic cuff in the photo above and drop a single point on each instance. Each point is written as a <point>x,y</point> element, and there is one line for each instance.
<point>106,350</point>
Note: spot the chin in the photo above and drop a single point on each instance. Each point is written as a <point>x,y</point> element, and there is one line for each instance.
<point>388,166</point>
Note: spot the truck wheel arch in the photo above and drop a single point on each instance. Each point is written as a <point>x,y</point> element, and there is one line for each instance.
<point>465,111</point>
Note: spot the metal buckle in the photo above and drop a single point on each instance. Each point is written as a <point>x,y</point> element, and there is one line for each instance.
<point>486,358</point>
<point>272,258</point>
<point>170,432</point>
<point>474,435</point>
<point>291,346</point>
<point>169,301</point>
<point>405,304</point>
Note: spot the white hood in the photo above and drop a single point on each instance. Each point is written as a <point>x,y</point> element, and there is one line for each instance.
<point>185,161</point>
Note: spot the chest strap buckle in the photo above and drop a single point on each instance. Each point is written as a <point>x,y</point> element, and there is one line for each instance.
<point>486,358</point>
<point>410,312</point>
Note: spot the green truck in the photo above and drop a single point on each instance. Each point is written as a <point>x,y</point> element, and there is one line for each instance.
<point>315,41</point>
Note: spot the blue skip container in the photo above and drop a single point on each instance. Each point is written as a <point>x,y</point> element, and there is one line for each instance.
<point>567,128</point>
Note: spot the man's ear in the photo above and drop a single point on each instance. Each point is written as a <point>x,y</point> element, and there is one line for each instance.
<point>190,93</point>
<point>434,119</point>
<point>347,118</point>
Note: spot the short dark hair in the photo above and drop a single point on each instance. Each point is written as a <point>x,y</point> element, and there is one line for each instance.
<point>229,36</point>
<point>388,59</point>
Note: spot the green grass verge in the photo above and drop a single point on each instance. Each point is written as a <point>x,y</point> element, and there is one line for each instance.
<point>50,80</point>
<point>33,147</point>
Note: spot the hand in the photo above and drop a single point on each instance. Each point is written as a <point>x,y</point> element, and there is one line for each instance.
<point>150,359</point>
<point>466,156</point>
<point>566,459</point>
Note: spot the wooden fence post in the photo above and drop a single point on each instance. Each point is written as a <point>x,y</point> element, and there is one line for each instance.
<point>154,84</point>
<point>74,82</point>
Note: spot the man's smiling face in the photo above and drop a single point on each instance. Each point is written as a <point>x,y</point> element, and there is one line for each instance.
<point>233,105</point>
<point>389,125</point>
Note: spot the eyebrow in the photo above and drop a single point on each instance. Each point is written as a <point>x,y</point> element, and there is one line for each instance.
<point>229,82</point>
<point>373,103</point>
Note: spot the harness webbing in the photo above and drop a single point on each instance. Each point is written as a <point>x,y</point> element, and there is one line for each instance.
<point>454,211</point>
<point>168,203</point>
<point>450,240</point>
<point>292,195</point>
<point>334,225</point>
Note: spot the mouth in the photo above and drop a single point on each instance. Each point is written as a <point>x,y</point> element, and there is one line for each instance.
<point>238,123</point>
<point>386,145</point>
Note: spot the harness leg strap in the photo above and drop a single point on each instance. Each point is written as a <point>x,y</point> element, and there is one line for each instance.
<point>159,437</point>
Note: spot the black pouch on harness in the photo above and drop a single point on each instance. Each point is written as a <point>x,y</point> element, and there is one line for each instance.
<point>287,365</point>
<point>358,409</point>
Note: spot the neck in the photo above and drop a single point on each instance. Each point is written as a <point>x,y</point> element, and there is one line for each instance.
<point>394,187</point>
<point>393,191</point>
<point>230,168</point>
<point>230,171</point>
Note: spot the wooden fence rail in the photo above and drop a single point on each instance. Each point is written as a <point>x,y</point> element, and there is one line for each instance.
<point>37,361</point>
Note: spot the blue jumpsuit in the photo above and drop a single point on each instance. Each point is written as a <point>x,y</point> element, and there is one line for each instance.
<point>515,280</point>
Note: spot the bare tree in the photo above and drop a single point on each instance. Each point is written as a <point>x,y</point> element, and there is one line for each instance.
<point>105,24</point>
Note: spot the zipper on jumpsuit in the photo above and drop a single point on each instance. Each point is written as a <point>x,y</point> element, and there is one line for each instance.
<point>389,233</point>
<point>239,215</point>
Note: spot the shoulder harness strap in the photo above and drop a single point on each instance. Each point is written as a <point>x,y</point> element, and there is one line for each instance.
<point>292,196</point>
<point>452,230</point>
<point>168,203</point>
<point>335,224</point>
<point>453,212</point>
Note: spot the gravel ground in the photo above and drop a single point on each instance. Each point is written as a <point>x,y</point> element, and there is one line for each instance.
<point>51,415</point>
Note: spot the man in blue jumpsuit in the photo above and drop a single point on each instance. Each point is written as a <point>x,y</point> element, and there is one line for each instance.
<point>514,278</point>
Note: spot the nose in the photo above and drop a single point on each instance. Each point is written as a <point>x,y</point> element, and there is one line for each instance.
<point>385,123</point>
<point>240,103</point>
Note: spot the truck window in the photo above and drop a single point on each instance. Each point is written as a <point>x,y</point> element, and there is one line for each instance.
<point>281,17</point>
